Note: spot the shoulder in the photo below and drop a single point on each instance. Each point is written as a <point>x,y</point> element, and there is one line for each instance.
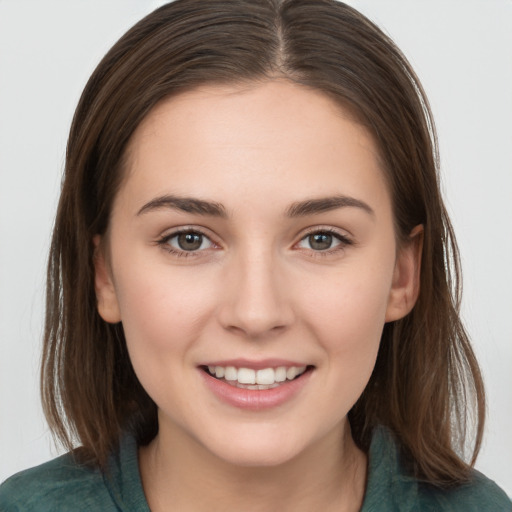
<point>391,488</point>
<point>480,494</point>
<point>65,485</point>
<point>60,484</point>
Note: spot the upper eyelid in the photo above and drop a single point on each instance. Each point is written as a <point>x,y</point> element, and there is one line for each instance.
<point>171,232</point>
<point>342,233</point>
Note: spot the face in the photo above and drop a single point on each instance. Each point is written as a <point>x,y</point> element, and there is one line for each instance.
<point>251,259</point>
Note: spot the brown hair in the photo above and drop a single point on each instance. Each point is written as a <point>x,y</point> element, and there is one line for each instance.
<point>426,380</point>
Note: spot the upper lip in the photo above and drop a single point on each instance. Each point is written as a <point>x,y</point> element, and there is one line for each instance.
<point>255,364</point>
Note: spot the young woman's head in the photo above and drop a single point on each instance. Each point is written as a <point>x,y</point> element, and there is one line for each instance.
<point>253,184</point>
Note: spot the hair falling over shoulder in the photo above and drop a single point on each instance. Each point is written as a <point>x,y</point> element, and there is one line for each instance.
<point>426,386</point>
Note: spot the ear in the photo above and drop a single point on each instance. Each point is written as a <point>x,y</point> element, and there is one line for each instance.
<point>406,277</point>
<point>106,297</point>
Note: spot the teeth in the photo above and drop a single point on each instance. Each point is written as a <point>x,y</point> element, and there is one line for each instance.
<point>266,376</point>
<point>230,373</point>
<point>257,379</point>
<point>247,376</point>
<point>280,374</point>
<point>291,373</point>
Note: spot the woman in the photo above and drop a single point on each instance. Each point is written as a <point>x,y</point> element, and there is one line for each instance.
<point>249,292</point>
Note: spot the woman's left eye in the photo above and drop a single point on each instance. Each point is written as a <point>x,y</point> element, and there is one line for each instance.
<point>322,241</point>
<point>187,241</point>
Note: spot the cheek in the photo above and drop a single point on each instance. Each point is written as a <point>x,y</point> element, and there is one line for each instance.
<point>348,316</point>
<point>352,305</point>
<point>162,308</point>
<point>163,312</point>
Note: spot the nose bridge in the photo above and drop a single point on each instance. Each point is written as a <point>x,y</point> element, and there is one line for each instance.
<point>257,299</point>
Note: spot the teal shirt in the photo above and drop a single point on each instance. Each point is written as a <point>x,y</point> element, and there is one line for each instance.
<point>62,485</point>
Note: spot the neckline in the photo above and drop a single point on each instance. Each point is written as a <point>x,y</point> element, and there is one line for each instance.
<point>385,481</point>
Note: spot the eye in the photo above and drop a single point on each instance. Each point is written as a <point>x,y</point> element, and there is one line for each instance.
<point>186,241</point>
<point>323,241</point>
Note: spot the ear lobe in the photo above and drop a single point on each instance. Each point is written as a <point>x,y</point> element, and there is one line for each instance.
<point>106,297</point>
<point>405,287</point>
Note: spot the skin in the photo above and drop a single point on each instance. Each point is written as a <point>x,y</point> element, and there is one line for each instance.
<point>256,289</point>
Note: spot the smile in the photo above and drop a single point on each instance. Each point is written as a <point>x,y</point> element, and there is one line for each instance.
<point>247,378</point>
<point>266,385</point>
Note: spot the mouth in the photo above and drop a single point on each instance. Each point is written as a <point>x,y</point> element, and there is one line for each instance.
<point>260,379</point>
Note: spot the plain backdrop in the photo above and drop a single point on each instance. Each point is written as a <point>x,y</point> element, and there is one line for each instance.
<point>462,51</point>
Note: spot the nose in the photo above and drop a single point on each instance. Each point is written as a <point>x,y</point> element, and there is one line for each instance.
<point>256,301</point>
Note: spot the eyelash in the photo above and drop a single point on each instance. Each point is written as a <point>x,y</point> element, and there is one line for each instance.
<point>343,240</point>
<point>164,242</point>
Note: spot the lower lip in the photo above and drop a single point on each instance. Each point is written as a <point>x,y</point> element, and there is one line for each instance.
<point>254,399</point>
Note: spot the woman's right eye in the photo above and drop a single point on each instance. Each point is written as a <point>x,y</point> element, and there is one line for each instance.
<point>186,242</point>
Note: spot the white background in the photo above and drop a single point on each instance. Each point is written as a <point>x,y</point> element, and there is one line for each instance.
<point>462,51</point>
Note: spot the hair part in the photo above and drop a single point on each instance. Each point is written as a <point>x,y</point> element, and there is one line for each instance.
<point>426,378</point>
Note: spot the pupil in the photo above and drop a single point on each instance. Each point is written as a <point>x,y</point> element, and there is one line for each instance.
<point>190,241</point>
<point>320,241</point>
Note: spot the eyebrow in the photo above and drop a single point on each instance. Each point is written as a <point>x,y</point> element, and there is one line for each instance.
<point>185,204</point>
<point>214,209</point>
<point>325,204</point>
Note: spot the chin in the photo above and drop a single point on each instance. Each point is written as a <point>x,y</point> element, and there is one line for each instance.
<point>258,456</point>
<point>261,449</point>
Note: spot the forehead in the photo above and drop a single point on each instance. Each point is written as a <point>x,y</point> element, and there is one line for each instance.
<point>252,138</point>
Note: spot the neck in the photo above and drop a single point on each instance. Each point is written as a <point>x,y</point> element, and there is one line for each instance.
<point>180,474</point>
